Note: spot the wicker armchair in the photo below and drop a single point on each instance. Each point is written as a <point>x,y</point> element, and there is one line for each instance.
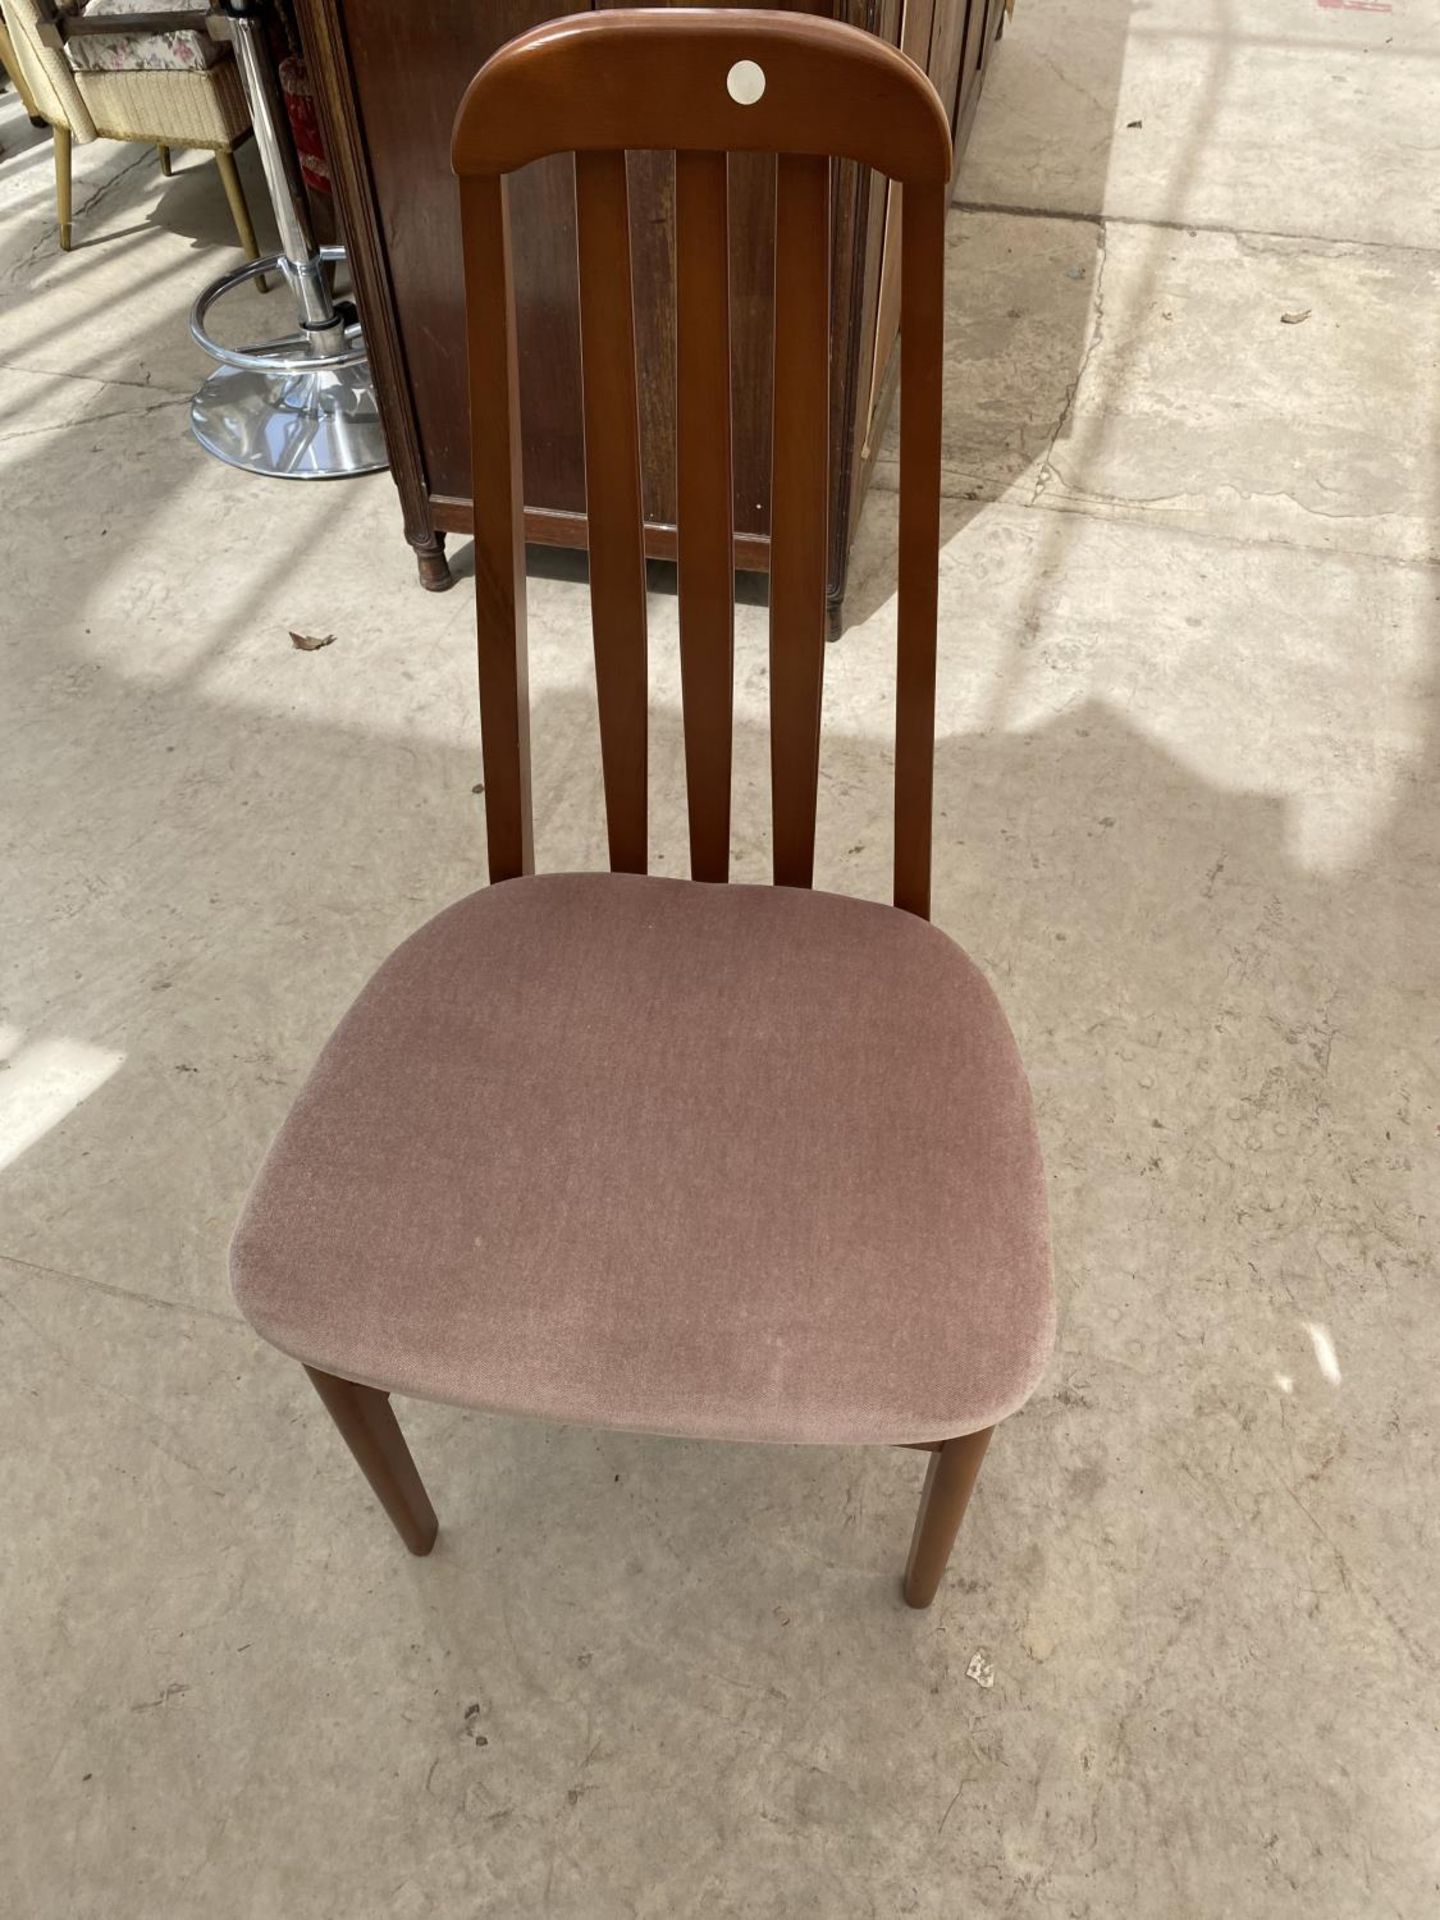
<point>138,77</point>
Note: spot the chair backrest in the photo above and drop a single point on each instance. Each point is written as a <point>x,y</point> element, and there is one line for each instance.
<point>702,83</point>
<point>48,74</point>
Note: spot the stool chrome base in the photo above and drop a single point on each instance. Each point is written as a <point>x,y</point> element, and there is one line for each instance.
<point>302,408</point>
<point>291,426</point>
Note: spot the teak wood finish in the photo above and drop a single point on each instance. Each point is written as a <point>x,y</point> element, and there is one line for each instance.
<point>598,86</point>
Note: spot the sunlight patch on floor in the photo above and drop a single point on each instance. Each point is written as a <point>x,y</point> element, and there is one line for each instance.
<point>42,1082</point>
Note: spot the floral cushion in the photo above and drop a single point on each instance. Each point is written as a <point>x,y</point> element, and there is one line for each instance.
<point>124,52</point>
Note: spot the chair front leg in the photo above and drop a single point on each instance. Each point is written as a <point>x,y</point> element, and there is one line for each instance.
<point>369,1428</point>
<point>62,184</point>
<point>954,1469</point>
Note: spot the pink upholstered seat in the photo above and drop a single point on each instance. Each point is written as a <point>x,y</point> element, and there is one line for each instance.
<point>745,1162</point>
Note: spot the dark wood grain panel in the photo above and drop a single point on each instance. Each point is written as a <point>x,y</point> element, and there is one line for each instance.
<point>947,45</point>
<point>752,332</point>
<point>981,17</point>
<point>411,65</point>
<point>752,283</point>
<point>652,246</point>
<point>324,37</point>
<point>858,219</point>
<point>916,29</point>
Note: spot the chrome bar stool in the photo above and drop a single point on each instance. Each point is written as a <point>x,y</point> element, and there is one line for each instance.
<point>301,408</point>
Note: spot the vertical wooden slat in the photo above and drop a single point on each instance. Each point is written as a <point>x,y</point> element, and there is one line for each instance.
<point>612,494</point>
<point>705,507</point>
<point>922,311</point>
<point>799,488</point>
<point>499,526</point>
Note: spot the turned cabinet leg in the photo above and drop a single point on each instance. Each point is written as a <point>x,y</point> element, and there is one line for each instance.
<point>434,568</point>
<point>369,1428</point>
<point>954,1469</point>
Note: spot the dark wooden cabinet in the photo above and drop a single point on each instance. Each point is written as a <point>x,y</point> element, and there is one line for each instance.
<point>388,77</point>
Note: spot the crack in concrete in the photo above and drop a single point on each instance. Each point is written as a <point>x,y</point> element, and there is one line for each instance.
<point>978,492</point>
<point>1082,509</point>
<point>147,385</point>
<point>107,1387</point>
<point>1097,333</point>
<point>1091,496</point>
<point>1254,237</point>
<point>131,1294</point>
<point>1068,80</point>
<point>107,187</point>
<point>92,419</point>
<point>51,228</point>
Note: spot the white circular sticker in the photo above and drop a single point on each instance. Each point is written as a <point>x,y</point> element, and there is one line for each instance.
<point>745,82</point>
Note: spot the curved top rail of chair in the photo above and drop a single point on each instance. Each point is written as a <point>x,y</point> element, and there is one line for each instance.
<point>661,78</point>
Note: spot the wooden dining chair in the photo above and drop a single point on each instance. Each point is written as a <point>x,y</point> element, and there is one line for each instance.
<point>679,1156</point>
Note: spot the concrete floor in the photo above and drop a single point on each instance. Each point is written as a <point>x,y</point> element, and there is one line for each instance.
<point>1189,824</point>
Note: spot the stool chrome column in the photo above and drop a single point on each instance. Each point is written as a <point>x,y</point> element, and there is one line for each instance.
<point>301,408</point>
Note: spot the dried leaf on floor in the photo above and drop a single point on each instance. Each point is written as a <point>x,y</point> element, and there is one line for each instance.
<point>1294,319</point>
<point>311,642</point>
<point>981,1669</point>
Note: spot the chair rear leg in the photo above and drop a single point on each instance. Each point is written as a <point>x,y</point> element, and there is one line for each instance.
<point>954,1469</point>
<point>368,1425</point>
<point>239,209</point>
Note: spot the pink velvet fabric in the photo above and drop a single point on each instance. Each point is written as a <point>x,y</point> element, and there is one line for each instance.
<point>745,1162</point>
